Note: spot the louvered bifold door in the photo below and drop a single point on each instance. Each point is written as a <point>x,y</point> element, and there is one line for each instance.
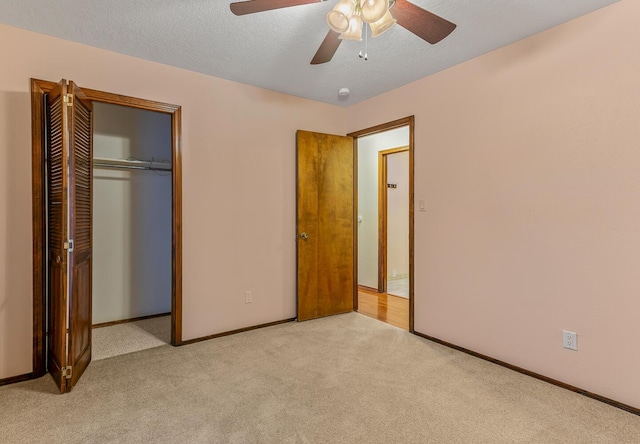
<point>69,121</point>
<point>80,198</point>
<point>58,231</point>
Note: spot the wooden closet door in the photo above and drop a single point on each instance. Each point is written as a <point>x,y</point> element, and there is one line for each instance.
<point>80,211</point>
<point>58,231</point>
<point>69,181</point>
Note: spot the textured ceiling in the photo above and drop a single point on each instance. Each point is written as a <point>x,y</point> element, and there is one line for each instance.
<point>273,49</point>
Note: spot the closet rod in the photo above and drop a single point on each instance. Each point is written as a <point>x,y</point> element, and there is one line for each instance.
<point>100,162</point>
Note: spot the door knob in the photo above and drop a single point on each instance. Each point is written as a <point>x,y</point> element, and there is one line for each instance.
<point>304,235</point>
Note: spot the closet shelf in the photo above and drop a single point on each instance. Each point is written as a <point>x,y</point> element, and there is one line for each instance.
<point>101,162</point>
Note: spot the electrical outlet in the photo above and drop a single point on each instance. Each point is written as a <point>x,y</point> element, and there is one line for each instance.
<point>569,340</point>
<point>248,297</point>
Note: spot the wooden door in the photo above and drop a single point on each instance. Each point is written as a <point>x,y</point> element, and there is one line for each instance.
<point>80,197</point>
<point>69,181</point>
<point>58,231</point>
<point>325,225</point>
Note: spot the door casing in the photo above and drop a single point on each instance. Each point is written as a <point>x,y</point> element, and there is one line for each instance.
<point>39,88</point>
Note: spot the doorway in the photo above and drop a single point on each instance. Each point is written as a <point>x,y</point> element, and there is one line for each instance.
<point>384,242</point>
<point>393,221</point>
<point>131,281</point>
<point>40,90</point>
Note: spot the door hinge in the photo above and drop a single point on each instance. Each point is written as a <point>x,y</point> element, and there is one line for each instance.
<point>68,99</point>
<point>69,245</point>
<point>67,372</point>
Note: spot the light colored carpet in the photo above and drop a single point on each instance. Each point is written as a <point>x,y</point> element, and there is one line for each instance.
<point>343,379</point>
<point>129,337</point>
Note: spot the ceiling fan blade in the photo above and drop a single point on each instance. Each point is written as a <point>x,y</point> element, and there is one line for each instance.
<point>249,7</point>
<point>327,48</point>
<point>424,24</point>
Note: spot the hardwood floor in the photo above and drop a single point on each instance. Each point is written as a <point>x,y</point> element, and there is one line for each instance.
<point>385,307</point>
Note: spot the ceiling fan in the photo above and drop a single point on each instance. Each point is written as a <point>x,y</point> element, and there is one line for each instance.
<point>422,23</point>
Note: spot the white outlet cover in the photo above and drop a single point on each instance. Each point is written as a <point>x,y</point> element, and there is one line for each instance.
<point>569,340</point>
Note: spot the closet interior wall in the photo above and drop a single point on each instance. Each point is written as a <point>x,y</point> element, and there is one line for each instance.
<point>131,215</point>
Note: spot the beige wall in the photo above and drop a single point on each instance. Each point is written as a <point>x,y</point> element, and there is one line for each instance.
<point>528,160</point>
<point>15,226</point>
<point>238,185</point>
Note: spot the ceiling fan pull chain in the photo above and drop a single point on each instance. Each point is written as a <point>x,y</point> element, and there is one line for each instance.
<point>366,43</point>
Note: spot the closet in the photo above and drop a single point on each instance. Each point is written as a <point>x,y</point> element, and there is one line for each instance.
<point>131,219</point>
<point>131,209</point>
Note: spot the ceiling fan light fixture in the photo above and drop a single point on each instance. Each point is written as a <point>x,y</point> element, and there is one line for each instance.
<point>338,17</point>
<point>424,24</point>
<point>337,21</point>
<point>355,29</point>
<point>373,10</point>
<point>381,26</point>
